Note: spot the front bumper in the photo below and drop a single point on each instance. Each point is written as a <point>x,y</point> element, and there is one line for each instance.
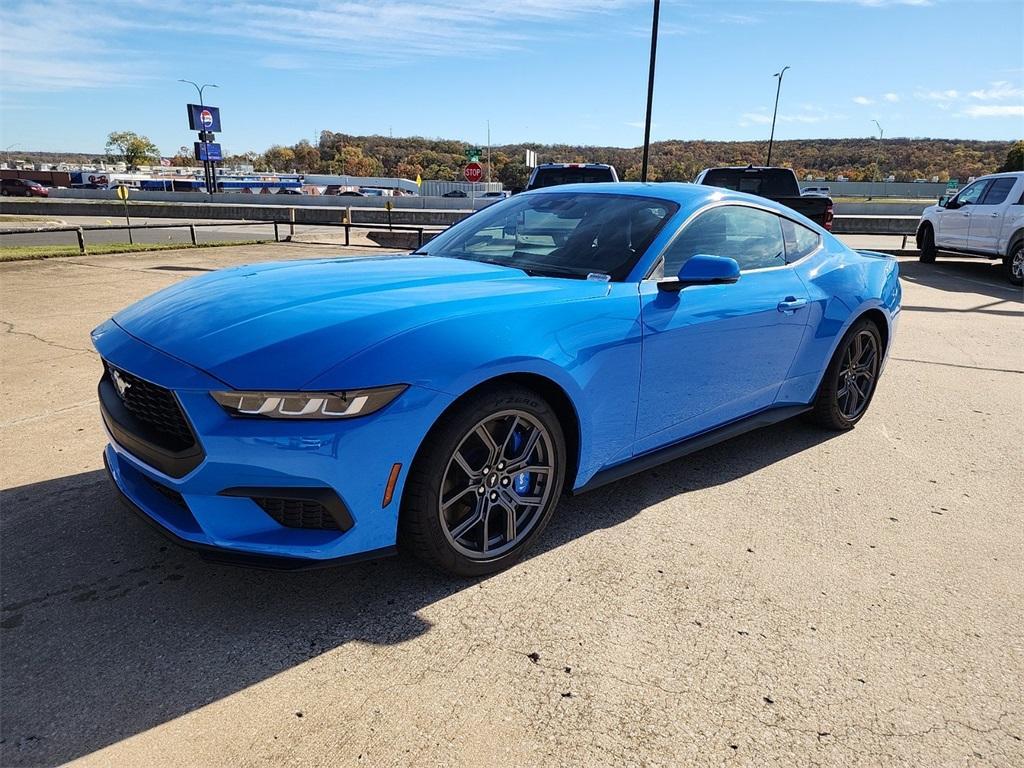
<point>210,505</point>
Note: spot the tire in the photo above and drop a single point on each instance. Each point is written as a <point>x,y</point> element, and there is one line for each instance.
<point>1013,263</point>
<point>4,192</point>
<point>836,405</point>
<point>928,251</point>
<point>462,519</point>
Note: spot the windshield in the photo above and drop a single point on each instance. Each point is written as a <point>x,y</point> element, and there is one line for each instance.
<point>567,234</point>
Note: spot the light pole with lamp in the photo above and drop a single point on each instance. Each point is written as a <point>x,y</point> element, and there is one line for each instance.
<point>8,151</point>
<point>881,133</point>
<point>778,88</point>
<point>209,173</point>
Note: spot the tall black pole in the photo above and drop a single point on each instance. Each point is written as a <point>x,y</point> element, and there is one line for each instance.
<point>776,112</point>
<point>650,89</point>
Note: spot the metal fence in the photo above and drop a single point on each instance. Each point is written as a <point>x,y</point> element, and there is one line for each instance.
<point>80,231</point>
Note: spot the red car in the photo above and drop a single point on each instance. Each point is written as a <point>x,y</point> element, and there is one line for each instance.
<point>23,188</point>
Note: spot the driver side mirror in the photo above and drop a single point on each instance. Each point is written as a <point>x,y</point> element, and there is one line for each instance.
<point>952,204</point>
<point>943,201</point>
<point>702,269</point>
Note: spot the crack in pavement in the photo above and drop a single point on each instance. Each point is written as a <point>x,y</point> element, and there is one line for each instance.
<point>56,345</point>
<point>956,365</point>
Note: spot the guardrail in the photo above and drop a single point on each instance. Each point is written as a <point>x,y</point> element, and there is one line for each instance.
<point>82,229</point>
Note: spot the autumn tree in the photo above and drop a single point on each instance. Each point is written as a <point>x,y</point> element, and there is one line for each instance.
<point>131,148</point>
<point>279,158</point>
<point>1014,159</point>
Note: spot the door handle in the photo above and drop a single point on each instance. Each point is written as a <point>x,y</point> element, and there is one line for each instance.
<point>994,215</point>
<point>791,304</point>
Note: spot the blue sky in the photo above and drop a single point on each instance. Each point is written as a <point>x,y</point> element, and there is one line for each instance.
<point>571,71</point>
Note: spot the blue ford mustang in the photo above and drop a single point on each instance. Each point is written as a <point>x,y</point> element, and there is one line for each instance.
<point>307,412</point>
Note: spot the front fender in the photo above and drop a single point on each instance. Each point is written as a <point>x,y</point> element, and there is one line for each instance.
<point>589,348</point>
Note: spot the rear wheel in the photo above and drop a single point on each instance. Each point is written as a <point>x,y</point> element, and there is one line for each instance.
<point>928,251</point>
<point>850,380</point>
<point>1013,263</point>
<point>485,483</point>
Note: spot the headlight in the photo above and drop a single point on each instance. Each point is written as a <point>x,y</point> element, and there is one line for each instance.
<point>308,405</point>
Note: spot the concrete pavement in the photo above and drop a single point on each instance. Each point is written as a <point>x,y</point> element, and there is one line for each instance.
<point>791,597</point>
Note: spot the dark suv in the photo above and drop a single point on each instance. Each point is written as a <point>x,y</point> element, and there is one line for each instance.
<point>553,174</point>
<point>22,188</point>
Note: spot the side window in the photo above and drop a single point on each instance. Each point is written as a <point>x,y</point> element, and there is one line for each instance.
<point>998,190</point>
<point>800,241</point>
<point>972,194</point>
<point>751,236</point>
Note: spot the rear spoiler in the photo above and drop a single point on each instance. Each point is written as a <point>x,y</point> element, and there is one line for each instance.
<point>875,254</point>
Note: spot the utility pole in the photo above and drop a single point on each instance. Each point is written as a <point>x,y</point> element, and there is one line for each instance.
<point>488,151</point>
<point>778,88</point>
<point>650,89</point>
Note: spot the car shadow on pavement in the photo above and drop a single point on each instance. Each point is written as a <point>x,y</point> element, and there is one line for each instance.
<point>108,630</point>
<point>964,275</point>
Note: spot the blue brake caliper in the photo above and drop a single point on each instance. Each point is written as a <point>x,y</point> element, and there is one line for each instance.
<point>521,482</point>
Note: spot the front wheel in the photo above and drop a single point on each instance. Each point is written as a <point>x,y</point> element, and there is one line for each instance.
<point>928,250</point>
<point>1013,264</point>
<point>850,380</point>
<point>485,482</point>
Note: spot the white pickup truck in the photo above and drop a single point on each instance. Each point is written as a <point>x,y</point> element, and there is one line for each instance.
<point>985,218</point>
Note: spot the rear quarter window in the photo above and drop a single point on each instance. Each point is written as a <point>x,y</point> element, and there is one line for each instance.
<point>800,241</point>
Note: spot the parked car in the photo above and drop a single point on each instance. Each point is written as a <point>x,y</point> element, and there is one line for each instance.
<point>985,218</point>
<point>778,184</point>
<point>555,174</point>
<point>304,412</point>
<point>23,188</point>
<point>455,193</point>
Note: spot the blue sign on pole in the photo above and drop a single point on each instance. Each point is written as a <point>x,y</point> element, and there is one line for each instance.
<point>203,118</point>
<point>208,152</point>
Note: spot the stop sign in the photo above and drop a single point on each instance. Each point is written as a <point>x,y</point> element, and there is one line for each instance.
<point>473,173</point>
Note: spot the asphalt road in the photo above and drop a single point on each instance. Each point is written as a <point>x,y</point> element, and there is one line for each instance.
<point>792,597</point>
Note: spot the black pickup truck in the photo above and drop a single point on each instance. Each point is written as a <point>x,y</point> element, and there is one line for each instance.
<point>778,184</point>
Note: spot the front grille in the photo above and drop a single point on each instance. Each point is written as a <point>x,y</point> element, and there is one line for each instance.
<point>298,513</point>
<point>156,407</point>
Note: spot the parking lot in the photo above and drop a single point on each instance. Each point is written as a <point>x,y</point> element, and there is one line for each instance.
<point>790,597</point>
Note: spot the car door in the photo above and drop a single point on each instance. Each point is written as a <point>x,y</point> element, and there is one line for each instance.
<point>715,353</point>
<point>987,215</point>
<point>953,225</point>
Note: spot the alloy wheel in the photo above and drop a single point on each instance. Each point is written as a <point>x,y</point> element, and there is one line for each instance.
<point>1017,263</point>
<point>497,484</point>
<point>857,375</point>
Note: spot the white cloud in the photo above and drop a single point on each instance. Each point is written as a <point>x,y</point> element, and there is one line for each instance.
<point>808,114</point>
<point>993,110</point>
<point>288,33</point>
<point>947,95</point>
<point>891,97</point>
<point>863,100</point>
<point>999,91</point>
<point>874,3</point>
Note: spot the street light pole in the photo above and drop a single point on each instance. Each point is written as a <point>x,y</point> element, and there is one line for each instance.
<point>881,133</point>
<point>8,151</point>
<point>650,89</point>
<point>778,88</point>
<point>209,174</point>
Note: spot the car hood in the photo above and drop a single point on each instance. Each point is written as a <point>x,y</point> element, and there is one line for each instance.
<point>279,325</point>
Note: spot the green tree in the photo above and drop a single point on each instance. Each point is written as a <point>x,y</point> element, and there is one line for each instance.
<point>131,148</point>
<point>1014,159</point>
